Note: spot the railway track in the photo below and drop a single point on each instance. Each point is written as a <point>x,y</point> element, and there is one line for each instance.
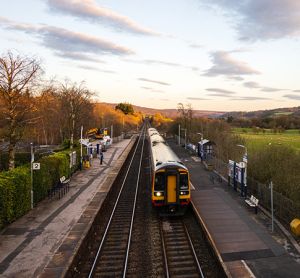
<point>112,255</point>
<point>179,253</point>
<point>109,251</point>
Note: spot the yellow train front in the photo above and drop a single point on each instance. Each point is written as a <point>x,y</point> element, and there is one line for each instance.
<point>170,178</point>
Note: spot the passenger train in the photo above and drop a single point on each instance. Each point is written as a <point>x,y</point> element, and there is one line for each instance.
<point>170,178</point>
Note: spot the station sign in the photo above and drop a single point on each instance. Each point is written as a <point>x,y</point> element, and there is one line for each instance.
<point>36,166</point>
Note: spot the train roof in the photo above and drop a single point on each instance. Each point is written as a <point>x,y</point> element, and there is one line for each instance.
<point>162,154</point>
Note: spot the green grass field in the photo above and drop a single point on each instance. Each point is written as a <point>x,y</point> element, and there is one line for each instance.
<point>260,140</point>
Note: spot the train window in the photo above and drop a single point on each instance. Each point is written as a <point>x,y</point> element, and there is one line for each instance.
<point>159,182</point>
<point>183,181</point>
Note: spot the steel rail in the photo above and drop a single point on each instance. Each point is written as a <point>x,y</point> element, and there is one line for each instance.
<point>113,211</point>
<point>194,252</point>
<point>164,250</point>
<point>133,211</point>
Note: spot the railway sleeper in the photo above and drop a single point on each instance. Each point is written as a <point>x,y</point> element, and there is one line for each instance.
<point>184,270</point>
<point>186,275</point>
<point>181,258</point>
<point>178,252</point>
<point>178,247</point>
<point>114,257</point>
<point>109,274</point>
<point>109,268</point>
<point>189,263</point>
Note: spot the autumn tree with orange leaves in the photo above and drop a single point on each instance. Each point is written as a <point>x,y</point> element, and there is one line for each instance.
<point>18,77</point>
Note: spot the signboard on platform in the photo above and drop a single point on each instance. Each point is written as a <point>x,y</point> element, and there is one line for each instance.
<point>36,166</point>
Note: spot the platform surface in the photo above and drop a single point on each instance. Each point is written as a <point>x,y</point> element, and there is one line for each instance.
<point>31,242</point>
<point>245,245</point>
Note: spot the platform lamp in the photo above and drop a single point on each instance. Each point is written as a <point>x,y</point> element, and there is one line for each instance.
<point>245,160</point>
<point>201,150</point>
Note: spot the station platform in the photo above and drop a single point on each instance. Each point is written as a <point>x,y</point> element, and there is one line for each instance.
<point>29,244</point>
<point>242,239</point>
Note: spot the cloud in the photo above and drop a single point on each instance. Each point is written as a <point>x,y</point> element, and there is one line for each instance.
<point>224,64</point>
<point>152,90</point>
<point>95,69</point>
<point>67,43</point>
<point>78,56</point>
<point>236,78</point>
<point>90,11</point>
<point>296,91</point>
<point>263,19</point>
<point>291,96</point>
<point>196,98</point>
<point>249,98</point>
<point>154,81</point>
<point>158,62</point>
<point>252,85</point>
<point>220,91</point>
<point>195,45</point>
<point>255,85</point>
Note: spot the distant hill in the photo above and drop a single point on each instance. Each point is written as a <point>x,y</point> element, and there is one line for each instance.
<point>293,111</point>
<point>172,113</point>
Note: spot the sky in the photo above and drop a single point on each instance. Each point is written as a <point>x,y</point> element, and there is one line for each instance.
<point>217,55</point>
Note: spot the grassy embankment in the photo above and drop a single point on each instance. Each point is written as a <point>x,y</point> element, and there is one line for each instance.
<point>257,141</point>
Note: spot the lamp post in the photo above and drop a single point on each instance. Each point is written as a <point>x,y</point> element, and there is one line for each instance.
<point>201,148</point>
<point>272,207</point>
<point>184,137</point>
<point>81,132</point>
<point>31,174</point>
<point>179,134</point>
<point>244,179</point>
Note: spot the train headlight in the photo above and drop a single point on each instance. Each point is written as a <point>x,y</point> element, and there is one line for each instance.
<point>184,193</point>
<point>158,194</point>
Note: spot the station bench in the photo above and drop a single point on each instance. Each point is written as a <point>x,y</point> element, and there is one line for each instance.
<point>252,202</point>
<point>61,188</point>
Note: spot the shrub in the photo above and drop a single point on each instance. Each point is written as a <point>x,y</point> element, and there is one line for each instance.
<point>15,185</point>
<point>14,194</point>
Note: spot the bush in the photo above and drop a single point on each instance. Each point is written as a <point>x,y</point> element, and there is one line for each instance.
<point>15,185</point>
<point>281,165</point>
<point>53,167</point>
<point>14,194</point>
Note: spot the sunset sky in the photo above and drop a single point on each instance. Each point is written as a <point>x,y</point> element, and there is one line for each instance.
<point>220,55</point>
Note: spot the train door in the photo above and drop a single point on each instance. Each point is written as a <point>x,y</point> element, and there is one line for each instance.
<point>171,187</point>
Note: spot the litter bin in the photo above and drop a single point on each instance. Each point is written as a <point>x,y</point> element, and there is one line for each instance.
<point>295,227</point>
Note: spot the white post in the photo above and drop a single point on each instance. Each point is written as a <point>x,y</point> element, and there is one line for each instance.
<point>31,174</point>
<point>272,209</point>
<point>185,138</point>
<point>111,132</point>
<point>179,135</point>
<point>81,132</point>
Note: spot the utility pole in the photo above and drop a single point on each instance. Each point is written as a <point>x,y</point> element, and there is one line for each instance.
<point>31,174</point>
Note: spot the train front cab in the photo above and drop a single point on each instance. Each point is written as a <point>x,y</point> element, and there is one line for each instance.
<point>171,191</point>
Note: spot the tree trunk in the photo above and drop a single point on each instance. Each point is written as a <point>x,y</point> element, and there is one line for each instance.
<point>11,155</point>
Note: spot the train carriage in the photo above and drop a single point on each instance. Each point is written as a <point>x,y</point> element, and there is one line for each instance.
<point>170,178</point>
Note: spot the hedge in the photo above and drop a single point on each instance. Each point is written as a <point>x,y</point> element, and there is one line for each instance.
<point>15,185</point>
<point>14,194</point>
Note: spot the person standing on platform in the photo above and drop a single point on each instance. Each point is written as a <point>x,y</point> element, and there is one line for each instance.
<point>101,158</point>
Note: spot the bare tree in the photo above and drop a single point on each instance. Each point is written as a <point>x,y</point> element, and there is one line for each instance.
<point>75,105</point>
<point>17,79</point>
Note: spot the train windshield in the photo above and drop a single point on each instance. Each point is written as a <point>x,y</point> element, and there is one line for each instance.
<point>183,181</point>
<point>159,184</point>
